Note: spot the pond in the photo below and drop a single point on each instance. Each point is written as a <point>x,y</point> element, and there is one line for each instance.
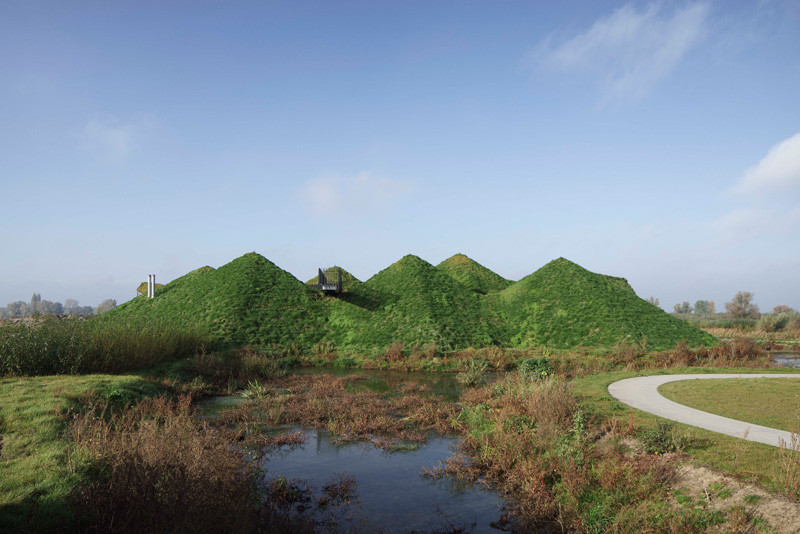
<point>393,495</point>
<point>787,359</point>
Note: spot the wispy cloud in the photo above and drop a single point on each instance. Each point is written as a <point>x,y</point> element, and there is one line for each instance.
<point>769,192</point>
<point>359,194</point>
<point>629,51</point>
<point>778,171</point>
<point>111,140</point>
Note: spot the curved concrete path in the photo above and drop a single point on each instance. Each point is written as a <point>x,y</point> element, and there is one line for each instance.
<point>642,393</point>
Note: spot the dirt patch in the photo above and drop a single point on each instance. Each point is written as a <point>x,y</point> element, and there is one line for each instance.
<point>715,491</point>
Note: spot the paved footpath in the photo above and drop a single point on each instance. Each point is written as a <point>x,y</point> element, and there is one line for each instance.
<point>642,393</point>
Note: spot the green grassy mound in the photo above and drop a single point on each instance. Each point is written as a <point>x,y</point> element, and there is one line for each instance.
<point>472,274</point>
<point>349,282</point>
<point>412,302</point>
<point>563,305</point>
<point>247,301</point>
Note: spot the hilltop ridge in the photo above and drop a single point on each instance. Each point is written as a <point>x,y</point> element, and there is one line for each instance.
<point>564,305</point>
<point>454,305</point>
<point>472,274</point>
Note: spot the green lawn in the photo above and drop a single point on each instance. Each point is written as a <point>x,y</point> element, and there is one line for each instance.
<point>774,403</point>
<point>35,477</point>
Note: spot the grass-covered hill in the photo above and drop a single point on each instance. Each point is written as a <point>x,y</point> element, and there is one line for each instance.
<point>563,305</point>
<point>249,300</point>
<point>252,301</point>
<point>412,302</point>
<point>349,282</point>
<point>472,274</point>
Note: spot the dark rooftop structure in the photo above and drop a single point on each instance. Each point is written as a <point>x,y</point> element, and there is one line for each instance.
<point>330,281</point>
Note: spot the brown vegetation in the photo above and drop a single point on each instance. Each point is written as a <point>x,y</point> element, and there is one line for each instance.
<point>155,468</point>
<point>533,442</point>
<point>323,401</point>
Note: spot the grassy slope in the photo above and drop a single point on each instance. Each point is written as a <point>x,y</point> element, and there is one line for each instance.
<point>247,301</point>
<point>34,472</point>
<point>473,275</point>
<point>349,282</point>
<point>415,303</point>
<point>563,305</point>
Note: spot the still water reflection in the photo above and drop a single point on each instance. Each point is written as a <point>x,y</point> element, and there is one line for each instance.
<point>394,496</point>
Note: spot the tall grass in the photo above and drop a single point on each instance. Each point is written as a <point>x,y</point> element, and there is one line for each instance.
<point>73,346</point>
<point>198,483</point>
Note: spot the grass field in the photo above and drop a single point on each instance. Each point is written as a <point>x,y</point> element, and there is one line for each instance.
<point>771,403</point>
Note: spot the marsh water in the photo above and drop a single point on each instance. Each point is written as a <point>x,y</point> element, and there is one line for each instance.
<point>393,493</point>
<point>787,359</point>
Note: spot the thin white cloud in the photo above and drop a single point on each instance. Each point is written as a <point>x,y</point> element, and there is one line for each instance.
<point>629,51</point>
<point>743,223</point>
<point>111,140</point>
<point>359,194</point>
<point>778,171</point>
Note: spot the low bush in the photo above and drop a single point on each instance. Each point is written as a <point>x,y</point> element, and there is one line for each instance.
<point>788,467</point>
<point>535,369</point>
<point>473,373</point>
<point>663,439</point>
<point>532,441</point>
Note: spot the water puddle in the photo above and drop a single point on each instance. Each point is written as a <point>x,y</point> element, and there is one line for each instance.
<point>393,494</point>
<point>211,406</point>
<point>787,359</point>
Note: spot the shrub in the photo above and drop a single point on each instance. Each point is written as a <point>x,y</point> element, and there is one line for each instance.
<point>663,439</point>
<point>769,323</point>
<point>395,352</point>
<point>473,373</point>
<point>344,362</point>
<point>535,369</point>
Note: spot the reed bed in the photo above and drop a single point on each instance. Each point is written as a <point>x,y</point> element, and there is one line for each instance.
<point>324,401</point>
<point>73,346</point>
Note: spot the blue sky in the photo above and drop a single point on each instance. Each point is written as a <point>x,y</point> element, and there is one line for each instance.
<point>658,141</point>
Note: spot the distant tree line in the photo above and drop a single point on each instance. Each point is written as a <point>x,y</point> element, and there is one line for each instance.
<point>36,305</point>
<point>701,307</point>
<point>740,312</point>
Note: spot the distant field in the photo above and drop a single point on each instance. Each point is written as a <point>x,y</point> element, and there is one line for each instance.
<point>773,403</point>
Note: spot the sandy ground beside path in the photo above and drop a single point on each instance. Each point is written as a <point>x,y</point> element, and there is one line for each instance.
<point>642,394</point>
<point>778,512</point>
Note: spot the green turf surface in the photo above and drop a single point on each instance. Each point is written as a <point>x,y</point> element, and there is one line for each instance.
<point>455,305</point>
<point>774,403</point>
<point>36,475</point>
<point>247,301</point>
<point>473,275</point>
<point>563,305</point>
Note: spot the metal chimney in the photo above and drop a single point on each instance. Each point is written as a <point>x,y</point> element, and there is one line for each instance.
<point>151,286</point>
